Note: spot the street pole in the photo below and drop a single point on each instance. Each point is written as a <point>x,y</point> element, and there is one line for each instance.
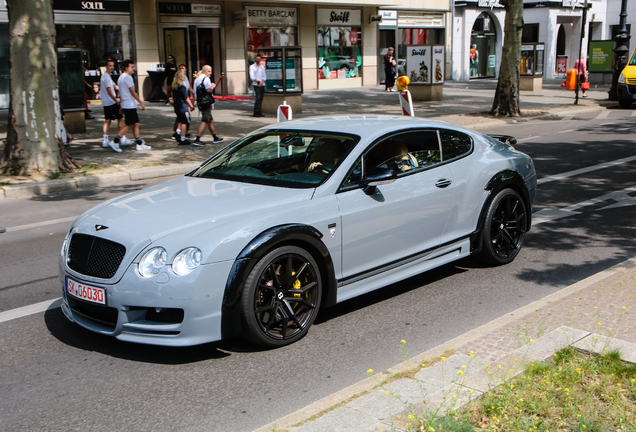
<point>579,80</point>
<point>620,51</point>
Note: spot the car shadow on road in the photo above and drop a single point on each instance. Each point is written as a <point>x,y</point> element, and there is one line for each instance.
<point>78,337</point>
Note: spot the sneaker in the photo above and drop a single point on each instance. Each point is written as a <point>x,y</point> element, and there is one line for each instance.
<point>185,142</point>
<point>125,141</point>
<point>106,143</point>
<point>175,136</point>
<point>189,136</point>
<point>143,146</point>
<point>114,146</point>
<point>198,143</point>
<point>217,139</point>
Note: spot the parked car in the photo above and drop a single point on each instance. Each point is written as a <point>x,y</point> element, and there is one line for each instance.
<point>291,218</point>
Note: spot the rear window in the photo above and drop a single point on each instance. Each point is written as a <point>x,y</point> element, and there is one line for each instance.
<point>454,144</point>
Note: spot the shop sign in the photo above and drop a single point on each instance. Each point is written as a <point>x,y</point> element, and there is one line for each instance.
<point>601,55</point>
<point>240,18</point>
<point>438,64</point>
<point>175,8</point>
<point>92,6</point>
<point>418,64</point>
<point>562,64</point>
<point>388,14</point>
<point>266,16</point>
<point>489,4</point>
<point>339,17</point>
<point>206,9</point>
<point>572,3</point>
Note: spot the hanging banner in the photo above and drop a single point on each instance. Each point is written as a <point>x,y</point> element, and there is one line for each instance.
<point>438,64</point>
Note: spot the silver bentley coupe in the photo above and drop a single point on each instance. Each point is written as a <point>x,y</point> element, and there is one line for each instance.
<point>291,218</point>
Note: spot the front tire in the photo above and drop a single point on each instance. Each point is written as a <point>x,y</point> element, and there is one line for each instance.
<point>504,228</point>
<point>281,297</point>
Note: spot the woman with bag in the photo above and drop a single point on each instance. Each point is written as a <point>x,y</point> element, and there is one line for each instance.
<point>182,105</point>
<point>389,70</point>
<point>585,85</point>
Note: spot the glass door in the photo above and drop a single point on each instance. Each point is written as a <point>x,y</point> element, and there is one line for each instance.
<point>209,50</point>
<point>175,44</point>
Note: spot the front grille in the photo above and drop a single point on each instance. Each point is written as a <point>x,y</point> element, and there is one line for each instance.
<point>106,316</point>
<point>632,89</point>
<point>95,256</point>
<point>631,81</point>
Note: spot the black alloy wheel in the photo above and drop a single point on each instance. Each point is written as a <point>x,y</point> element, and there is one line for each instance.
<point>504,228</point>
<point>281,297</point>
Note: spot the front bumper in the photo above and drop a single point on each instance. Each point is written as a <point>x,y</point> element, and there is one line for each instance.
<point>626,92</point>
<point>165,309</point>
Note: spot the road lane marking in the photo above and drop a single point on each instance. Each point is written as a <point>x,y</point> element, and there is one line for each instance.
<point>602,115</point>
<point>585,170</point>
<point>30,310</point>
<point>622,198</point>
<point>41,224</point>
<point>569,130</point>
<point>605,124</point>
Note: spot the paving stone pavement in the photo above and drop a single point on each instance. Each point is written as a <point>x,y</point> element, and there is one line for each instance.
<point>596,314</point>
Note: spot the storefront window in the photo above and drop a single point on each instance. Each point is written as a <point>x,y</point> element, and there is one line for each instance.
<point>98,43</point>
<point>339,54</point>
<point>417,36</point>
<point>483,42</point>
<point>263,37</point>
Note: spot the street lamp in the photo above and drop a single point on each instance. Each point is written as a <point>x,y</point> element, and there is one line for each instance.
<point>620,51</point>
<point>579,80</point>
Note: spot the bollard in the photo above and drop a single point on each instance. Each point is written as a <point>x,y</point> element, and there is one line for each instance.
<point>405,96</point>
<point>284,112</point>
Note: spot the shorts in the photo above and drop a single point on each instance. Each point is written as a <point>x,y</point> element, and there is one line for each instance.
<point>130,116</point>
<point>111,112</point>
<point>206,114</point>
<point>183,118</point>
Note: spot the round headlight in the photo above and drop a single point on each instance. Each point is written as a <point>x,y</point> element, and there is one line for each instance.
<point>152,262</point>
<point>186,261</point>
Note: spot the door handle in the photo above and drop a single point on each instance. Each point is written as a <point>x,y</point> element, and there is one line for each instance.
<point>443,183</point>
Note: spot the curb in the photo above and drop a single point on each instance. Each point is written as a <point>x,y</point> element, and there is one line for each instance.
<point>368,384</point>
<point>90,181</point>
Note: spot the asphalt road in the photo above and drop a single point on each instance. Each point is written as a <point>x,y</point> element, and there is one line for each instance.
<point>57,376</point>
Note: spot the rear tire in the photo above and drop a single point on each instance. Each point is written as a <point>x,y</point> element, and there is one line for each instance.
<point>281,297</point>
<point>504,228</point>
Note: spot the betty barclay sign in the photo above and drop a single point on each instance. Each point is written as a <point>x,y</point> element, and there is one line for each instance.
<point>338,17</point>
<point>266,16</point>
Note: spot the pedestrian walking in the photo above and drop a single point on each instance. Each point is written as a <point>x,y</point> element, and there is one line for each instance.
<point>258,77</point>
<point>186,83</point>
<point>171,70</point>
<point>582,73</point>
<point>389,70</point>
<point>203,87</point>
<point>129,99</point>
<point>111,107</point>
<point>182,106</point>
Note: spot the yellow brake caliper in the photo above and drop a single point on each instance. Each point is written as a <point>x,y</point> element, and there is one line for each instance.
<point>296,285</point>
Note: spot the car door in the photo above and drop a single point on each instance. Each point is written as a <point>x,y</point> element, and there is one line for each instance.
<point>400,220</point>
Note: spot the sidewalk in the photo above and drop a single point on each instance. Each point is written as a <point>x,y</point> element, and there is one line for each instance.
<point>465,104</point>
<point>596,314</point>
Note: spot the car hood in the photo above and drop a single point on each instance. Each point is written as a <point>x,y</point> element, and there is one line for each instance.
<point>184,203</point>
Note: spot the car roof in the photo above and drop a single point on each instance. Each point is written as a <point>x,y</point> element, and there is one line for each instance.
<point>365,126</point>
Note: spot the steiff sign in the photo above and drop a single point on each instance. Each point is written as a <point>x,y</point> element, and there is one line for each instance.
<point>266,16</point>
<point>339,17</point>
<point>425,64</point>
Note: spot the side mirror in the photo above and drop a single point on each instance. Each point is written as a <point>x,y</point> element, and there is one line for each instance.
<point>377,177</point>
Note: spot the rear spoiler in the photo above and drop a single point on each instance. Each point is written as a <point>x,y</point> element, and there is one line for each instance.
<point>503,138</point>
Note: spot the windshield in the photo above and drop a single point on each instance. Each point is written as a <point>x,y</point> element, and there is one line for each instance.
<point>298,159</point>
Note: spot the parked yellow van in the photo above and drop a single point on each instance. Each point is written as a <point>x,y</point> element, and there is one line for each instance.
<point>627,83</point>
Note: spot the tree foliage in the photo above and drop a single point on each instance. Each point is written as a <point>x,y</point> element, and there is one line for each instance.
<point>34,143</point>
<point>506,102</point>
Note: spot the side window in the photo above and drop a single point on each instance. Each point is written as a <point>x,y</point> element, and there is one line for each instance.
<point>354,177</point>
<point>454,144</point>
<point>405,152</point>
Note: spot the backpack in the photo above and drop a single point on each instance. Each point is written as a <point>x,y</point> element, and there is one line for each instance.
<point>204,98</point>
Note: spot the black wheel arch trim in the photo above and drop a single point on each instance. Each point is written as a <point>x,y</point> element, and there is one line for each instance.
<point>501,180</point>
<point>296,234</point>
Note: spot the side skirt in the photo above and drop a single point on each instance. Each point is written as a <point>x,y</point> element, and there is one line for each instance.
<point>443,255</point>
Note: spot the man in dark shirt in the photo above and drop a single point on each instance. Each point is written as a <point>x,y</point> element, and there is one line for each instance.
<point>171,69</point>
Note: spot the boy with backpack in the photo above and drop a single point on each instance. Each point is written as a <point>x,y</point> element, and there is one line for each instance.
<point>203,87</point>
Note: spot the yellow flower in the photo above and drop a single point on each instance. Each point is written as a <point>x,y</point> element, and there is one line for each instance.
<point>599,323</point>
<point>512,386</point>
<point>463,366</point>
<point>387,392</point>
<point>521,400</point>
<point>459,372</point>
<point>472,391</point>
<point>531,340</point>
<point>624,307</point>
<point>566,389</point>
<point>411,416</point>
<point>370,371</point>
<point>403,341</point>
<point>595,307</point>
<point>498,366</point>
<point>443,358</point>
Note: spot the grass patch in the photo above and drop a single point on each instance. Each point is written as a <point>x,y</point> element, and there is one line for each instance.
<point>573,391</point>
<point>151,164</point>
<point>55,175</point>
<point>88,168</point>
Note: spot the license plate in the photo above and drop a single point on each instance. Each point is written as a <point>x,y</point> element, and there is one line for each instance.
<point>86,292</point>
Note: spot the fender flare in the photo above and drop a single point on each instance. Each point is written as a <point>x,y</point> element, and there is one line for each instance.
<point>499,181</point>
<point>296,234</point>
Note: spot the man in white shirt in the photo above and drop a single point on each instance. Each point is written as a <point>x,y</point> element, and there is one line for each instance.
<point>111,107</point>
<point>206,111</point>
<point>257,75</point>
<point>129,99</point>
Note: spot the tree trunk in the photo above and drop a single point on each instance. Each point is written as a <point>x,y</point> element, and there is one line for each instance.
<point>34,143</point>
<point>506,101</point>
